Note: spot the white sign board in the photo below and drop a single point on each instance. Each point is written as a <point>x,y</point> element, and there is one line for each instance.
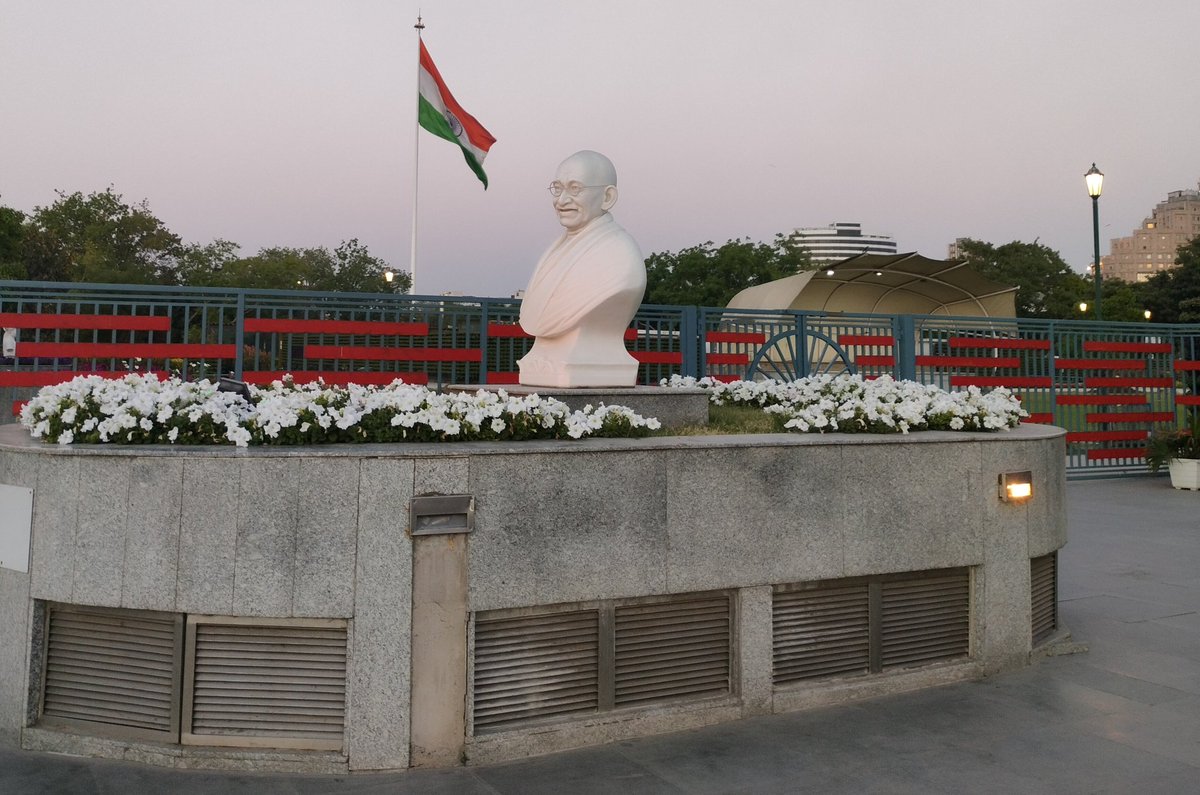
<point>16,519</point>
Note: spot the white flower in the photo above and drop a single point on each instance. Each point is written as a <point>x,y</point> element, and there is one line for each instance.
<point>852,403</point>
<point>114,409</point>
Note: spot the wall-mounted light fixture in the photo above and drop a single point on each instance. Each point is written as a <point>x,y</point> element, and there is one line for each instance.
<point>438,514</point>
<point>1016,486</point>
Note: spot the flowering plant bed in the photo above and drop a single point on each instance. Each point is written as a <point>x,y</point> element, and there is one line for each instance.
<point>852,404</point>
<point>141,409</point>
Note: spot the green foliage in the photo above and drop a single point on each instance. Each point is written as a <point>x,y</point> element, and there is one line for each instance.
<point>727,420</point>
<point>101,238</point>
<point>1177,443</point>
<point>710,275</point>
<point>348,268</point>
<point>1173,296</point>
<point>1046,286</point>
<point>1123,302</point>
<point>11,233</point>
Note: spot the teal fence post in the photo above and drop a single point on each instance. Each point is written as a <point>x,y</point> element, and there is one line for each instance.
<point>801,366</point>
<point>483,341</point>
<point>904,333</point>
<point>691,341</point>
<point>239,335</point>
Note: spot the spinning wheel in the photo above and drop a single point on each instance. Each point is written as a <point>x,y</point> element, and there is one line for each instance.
<point>786,357</point>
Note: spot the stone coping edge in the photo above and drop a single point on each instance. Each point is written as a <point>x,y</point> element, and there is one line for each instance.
<point>184,757</point>
<point>16,439</point>
<point>640,390</point>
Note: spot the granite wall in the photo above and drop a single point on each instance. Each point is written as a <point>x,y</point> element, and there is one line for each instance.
<point>321,532</point>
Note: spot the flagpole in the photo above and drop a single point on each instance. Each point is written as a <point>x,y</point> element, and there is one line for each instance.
<point>412,259</point>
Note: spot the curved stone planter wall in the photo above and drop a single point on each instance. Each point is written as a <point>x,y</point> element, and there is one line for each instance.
<point>321,533</point>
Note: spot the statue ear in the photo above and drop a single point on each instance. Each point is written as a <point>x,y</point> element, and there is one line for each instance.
<point>610,198</point>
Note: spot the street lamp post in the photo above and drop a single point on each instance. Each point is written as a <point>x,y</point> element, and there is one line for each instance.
<point>1095,182</point>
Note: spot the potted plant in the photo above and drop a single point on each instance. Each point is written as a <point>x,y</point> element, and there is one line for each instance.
<point>1179,450</point>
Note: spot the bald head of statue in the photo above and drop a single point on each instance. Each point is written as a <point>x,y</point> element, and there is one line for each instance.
<point>584,188</point>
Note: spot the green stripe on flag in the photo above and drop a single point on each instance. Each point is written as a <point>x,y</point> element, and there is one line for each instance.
<point>432,120</point>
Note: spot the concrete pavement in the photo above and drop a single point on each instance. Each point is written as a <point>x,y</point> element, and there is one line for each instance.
<point>1122,717</point>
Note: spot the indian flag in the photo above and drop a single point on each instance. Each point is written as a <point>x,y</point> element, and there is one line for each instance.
<point>439,113</point>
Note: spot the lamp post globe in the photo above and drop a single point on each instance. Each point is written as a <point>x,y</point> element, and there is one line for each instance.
<point>1094,180</point>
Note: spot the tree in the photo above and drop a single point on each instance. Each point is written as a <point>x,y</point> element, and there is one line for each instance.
<point>204,265</point>
<point>1173,296</point>
<point>99,238</point>
<point>12,231</point>
<point>349,268</point>
<point>1123,302</point>
<point>357,270</point>
<point>1046,286</point>
<point>708,275</point>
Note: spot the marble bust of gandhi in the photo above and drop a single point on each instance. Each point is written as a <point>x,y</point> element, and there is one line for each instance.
<point>586,287</point>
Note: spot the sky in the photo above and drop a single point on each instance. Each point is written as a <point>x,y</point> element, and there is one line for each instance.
<point>292,122</point>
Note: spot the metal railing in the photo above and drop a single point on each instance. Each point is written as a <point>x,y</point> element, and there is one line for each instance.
<point>1108,384</point>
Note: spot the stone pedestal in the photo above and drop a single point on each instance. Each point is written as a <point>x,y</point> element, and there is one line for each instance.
<point>672,406</point>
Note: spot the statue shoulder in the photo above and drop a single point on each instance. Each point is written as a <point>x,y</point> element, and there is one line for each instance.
<point>620,241</point>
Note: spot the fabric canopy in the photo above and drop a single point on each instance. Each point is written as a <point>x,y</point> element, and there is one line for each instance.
<point>891,284</point>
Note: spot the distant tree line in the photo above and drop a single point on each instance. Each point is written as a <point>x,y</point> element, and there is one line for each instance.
<point>1047,288</point>
<point>709,275</point>
<point>101,238</point>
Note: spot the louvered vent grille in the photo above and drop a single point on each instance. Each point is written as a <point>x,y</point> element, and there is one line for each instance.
<point>536,666</point>
<point>820,632</point>
<point>267,685</point>
<point>924,619</point>
<point>113,667</point>
<point>1043,575</point>
<point>671,649</point>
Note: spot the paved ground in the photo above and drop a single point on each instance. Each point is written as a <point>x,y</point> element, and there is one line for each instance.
<point>1124,717</point>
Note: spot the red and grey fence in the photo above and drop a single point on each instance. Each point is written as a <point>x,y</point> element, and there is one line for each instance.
<point>1109,384</point>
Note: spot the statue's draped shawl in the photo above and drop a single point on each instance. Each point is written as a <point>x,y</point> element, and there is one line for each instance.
<point>578,273</point>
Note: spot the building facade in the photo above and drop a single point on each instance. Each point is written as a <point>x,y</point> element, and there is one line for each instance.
<point>838,241</point>
<point>1151,248</point>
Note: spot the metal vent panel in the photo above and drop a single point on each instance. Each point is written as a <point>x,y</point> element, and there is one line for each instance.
<point>925,619</point>
<point>1043,576</point>
<point>278,685</point>
<point>819,632</point>
<point>669,650</point>
<point>113,667</point>
<point>534,666</point>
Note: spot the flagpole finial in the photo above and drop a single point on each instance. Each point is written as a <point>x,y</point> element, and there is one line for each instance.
<point>420,26</point>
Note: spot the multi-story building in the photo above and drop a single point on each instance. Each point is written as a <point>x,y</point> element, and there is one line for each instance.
<point>1151,248</point>
<point>836,242</point>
